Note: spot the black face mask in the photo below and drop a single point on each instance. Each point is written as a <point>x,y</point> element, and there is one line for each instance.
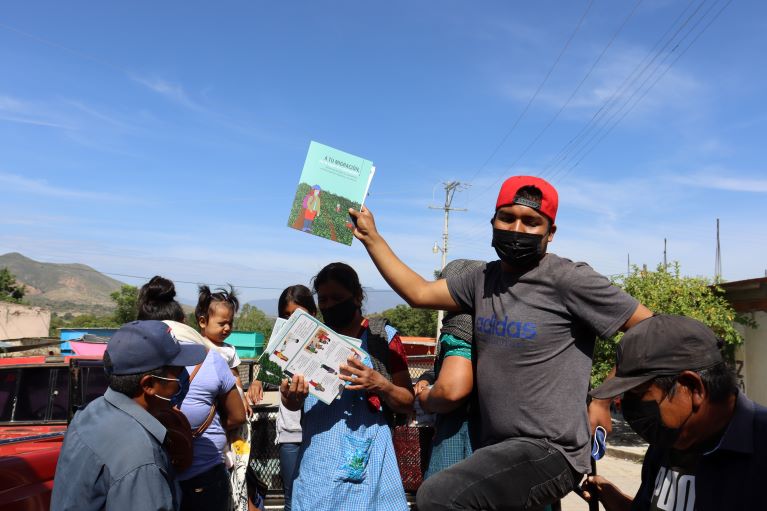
<point>340,314</point>
<point>519,249</point>
<point>644,418</point>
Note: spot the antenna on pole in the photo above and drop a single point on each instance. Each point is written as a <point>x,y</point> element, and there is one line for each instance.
<point>450,188</point>
<point>665,262</point>
<point>718,261</point>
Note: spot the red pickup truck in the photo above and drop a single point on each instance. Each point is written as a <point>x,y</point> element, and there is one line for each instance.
<point>38,395</point>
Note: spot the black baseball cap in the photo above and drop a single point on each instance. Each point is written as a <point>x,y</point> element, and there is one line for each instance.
<point>142,346</point>
<point>663,345</point>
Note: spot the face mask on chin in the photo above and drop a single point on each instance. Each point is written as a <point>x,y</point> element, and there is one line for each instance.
<point>518,249</point>
<point>340,315</point>
<point>644,418</point>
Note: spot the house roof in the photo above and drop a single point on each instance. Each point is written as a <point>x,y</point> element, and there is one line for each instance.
<point>747,295</point>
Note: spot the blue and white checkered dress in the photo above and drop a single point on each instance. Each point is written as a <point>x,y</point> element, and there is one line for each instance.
<point>347,459</point>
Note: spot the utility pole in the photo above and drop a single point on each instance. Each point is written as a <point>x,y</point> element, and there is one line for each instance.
<point>450,188</point>
<point>718,261</point>
<point>628,264</point>
<point>665,262</point>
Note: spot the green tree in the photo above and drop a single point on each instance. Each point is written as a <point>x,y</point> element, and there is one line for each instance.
<point>666,291</point>
<point>191,320</point>
<point>253,319</point>
<point>10,290</point>
<point>126,300</point>
<point>91,321</point>
<point>412,322</point>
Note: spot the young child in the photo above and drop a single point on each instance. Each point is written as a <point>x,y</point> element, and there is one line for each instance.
<point>215,317</point>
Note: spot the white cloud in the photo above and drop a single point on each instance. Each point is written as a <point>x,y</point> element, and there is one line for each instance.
<point>624,71</point>
<point>724,179</point>
<point>25,112</point>
<point>173,91</point>
<point>16,183</point>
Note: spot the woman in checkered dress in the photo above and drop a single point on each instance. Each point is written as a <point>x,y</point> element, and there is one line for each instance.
<point>347,459</point>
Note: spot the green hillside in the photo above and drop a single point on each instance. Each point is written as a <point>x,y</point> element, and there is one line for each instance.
<point>74,288</point>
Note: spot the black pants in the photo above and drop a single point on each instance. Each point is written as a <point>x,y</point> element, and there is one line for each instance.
<point>517,474</point>
<point>208,491</point>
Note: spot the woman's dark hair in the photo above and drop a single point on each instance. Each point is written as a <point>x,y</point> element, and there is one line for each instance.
<point>344,275</point>
<point>298,294</point>
<point>208,299</point>
<point>156,300</point>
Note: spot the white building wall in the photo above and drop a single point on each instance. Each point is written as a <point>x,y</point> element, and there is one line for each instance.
<point>751,359</point>
<point>19,321</point>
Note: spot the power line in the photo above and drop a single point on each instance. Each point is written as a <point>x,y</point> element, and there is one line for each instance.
<point>567,102</point>
<point>535,94</point>
<point>578,87</point>
<point>175,281</point>
<point>581,152</point>
<point>652,85</point>
<point>67,49</point>
<point>570,98</point>
<point>624,86</point>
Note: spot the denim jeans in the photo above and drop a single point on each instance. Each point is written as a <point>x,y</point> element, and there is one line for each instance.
<point>288,460</point>
<point>207,491</point>
<point>516,474</point>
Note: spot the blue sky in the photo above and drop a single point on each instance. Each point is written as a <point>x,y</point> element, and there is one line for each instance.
<point>167,138</point>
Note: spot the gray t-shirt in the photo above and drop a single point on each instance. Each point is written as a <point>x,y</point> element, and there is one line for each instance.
<point>534,333</point>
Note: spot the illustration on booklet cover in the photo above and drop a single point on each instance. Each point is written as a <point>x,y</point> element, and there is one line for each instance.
<point>331,182</point>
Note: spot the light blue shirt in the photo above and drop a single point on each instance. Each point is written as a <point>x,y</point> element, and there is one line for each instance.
<point>112,458</point>
<point>212,381</point>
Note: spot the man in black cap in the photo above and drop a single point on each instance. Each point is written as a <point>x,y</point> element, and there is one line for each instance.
<point>708,443</point>
<point>113,456</point>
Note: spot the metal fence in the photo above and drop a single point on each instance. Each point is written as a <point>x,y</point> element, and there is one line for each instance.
<point>419,364</point>
<point>264,452</point>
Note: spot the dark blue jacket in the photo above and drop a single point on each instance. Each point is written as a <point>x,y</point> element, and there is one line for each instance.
<point>733,475</point>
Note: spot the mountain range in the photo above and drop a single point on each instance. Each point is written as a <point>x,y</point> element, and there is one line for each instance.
<point>78,288</point>
<point>74,288</point>
<point>376,300</point>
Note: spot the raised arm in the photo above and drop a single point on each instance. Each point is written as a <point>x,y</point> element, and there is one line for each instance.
<point>414,289</point>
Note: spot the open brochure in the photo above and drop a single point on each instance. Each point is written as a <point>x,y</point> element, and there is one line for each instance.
<point>331,182</point>
<point>303,345</point>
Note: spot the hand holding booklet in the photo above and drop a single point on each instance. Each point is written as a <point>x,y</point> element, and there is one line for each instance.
<point>303,345</point>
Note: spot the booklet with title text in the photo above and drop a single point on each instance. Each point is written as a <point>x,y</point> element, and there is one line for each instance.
<point>303,345</point>
<point>331,182</point>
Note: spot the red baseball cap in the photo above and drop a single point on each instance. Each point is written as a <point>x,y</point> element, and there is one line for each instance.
<point>549,197</point>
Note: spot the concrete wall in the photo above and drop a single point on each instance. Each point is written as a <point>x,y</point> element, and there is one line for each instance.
<point>18,321</point>
<point>751,359</point>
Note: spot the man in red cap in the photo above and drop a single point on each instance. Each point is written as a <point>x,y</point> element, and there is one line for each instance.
<point>536,318</point>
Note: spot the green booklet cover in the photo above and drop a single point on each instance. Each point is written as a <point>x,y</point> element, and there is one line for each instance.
<point>332,181</point>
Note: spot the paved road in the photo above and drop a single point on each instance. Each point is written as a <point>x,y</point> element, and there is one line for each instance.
<point>622,464</point>
<point>624,473</point>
